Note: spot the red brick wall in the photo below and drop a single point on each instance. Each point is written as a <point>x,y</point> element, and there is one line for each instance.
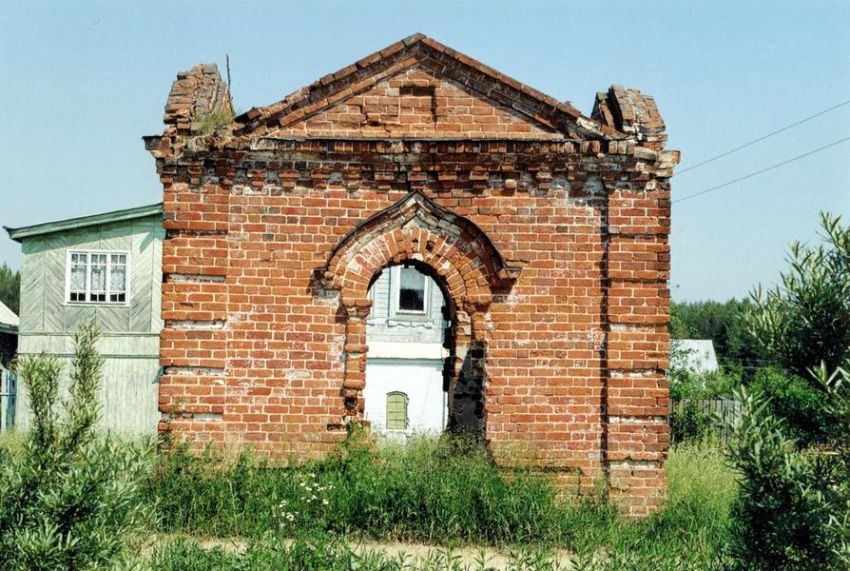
<point>553,251</point>
<point>416,103</point>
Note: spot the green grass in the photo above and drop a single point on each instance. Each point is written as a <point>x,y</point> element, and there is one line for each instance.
<point>448,493</point>
<point>211,122</point>
<point>439,492</point>
<point>432,491</point>
<point>11,441</point>
<point>692,530</point>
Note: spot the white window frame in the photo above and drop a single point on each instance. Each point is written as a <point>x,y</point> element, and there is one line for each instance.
<point>109,254</point>
<point>396,289</point>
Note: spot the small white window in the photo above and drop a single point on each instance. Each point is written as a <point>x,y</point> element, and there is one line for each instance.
<point>97,277</point>
<point>412,291</point>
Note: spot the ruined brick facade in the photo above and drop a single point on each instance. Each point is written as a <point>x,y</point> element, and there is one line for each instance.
<point>546,229</point>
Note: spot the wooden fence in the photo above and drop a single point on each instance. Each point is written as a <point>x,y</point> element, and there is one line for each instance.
<point>721,412</point>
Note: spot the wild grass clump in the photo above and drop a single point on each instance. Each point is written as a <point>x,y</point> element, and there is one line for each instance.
<point>430,490</point>
<point>319,552</point>
<point>690,532</point>
<point>701,489</point>
<point>69,498</point>
<point>11,441</point>
<point>446,492</point>
<point>210,122</point>
<point>323,551</point>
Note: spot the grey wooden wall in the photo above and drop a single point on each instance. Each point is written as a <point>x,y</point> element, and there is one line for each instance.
<point>129,334</point>
<point>385,324</point>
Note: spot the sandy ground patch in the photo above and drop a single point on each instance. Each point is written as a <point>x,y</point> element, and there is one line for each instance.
<point>471,556</point>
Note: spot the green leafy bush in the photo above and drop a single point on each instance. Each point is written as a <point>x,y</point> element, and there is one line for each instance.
<point>785,515</point>
<point>69,499</point>
<point>798,403</point>
<point>689,422</point>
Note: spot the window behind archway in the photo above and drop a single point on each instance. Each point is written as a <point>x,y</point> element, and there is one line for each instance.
<point>397,411</point>
<point>412,291</point>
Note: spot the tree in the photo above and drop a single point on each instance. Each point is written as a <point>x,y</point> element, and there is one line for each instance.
<point>722,322</point>
<point>10,288</point>
<point>793,508</point>
<point>805,319</point>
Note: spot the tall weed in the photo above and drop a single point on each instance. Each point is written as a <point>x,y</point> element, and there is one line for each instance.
<point>69,499</point>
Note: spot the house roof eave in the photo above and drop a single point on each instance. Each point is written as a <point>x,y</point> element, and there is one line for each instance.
<point>18,234</point>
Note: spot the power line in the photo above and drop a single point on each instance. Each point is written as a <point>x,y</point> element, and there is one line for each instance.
<point>764,170</point>
<point>762,138</point>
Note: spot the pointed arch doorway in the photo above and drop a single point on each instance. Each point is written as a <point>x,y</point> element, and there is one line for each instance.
<point>459,257</point>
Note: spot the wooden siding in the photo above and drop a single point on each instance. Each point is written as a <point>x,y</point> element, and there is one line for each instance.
<point>129,333</point>
<point>43,307</point>
<point>387,325</point>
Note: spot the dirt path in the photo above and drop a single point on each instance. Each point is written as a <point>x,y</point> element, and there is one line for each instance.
<point>412,553</point>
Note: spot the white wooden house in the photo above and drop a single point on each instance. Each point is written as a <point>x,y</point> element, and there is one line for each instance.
<point>8,382</point>
<point>404,391</point>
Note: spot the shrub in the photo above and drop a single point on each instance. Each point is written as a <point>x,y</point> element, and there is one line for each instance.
<point>793,511</point>
<point>790,501</point>
<point>801,406</point>
<point>688,421</point>
<point>69,499</point>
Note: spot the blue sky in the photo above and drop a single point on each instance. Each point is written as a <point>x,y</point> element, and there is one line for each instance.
<point>81,82</point>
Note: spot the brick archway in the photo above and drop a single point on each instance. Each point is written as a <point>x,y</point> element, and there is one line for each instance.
<point>414,229</point>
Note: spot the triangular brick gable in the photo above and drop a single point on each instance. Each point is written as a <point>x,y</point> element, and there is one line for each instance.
<point>418,103</point>
<point>418,88</point>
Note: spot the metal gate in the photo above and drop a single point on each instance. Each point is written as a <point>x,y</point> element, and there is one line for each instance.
<point>8,392</point>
